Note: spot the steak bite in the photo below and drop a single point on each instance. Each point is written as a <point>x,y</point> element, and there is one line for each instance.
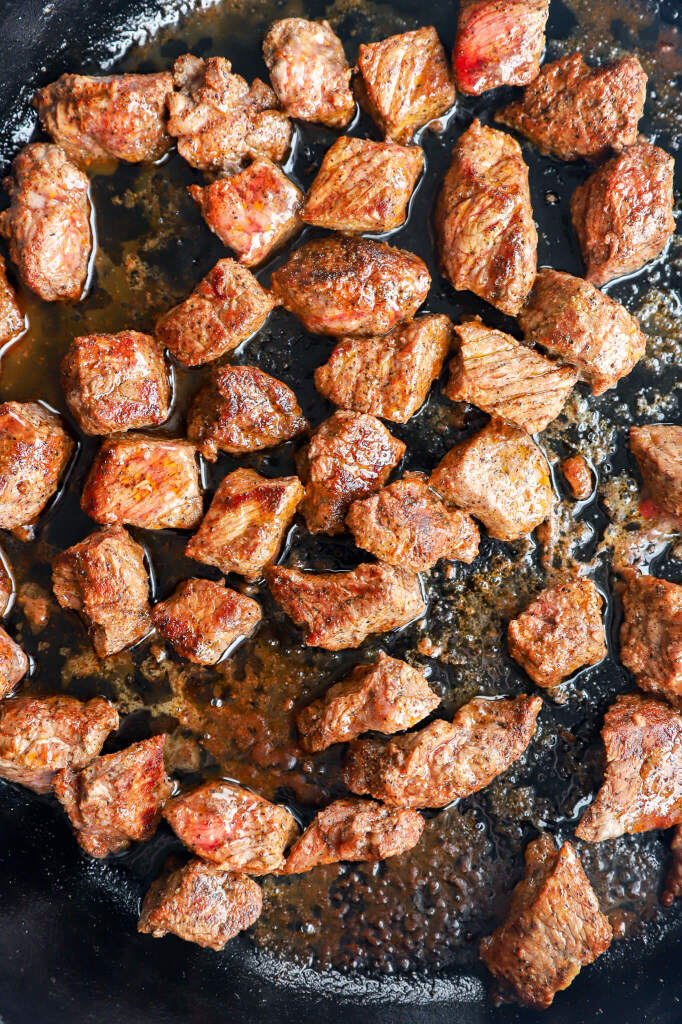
<point>658,450</point>
<point>34,452</point>
<point>13,663</point>
<point>484,220</point>
<point>651,634</point>
<point>202,619</point>
<point>553,928</point>
<point>578,476</point>
<point>11,318</point>
<point>498,42</point>
<point>341,609</point>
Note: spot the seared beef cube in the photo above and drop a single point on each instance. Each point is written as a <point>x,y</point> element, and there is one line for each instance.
<point>348,457</point>
<point>507,379</point>
<point>13,664</point>
<point>388,696</point>
<point>673,879</point>
<point>202,619</point>
<point>34,451</point>
<point>390,376</point>
<point>354,830</point>
<point>116,382</point>
<point>623,214</point>
<point>47,225</point>
<point>243,410</point>
<point>309,71</point>
<point>575,321</point>
<point>578,476</point>
<point>151,482</point>
<point>116,799</point>
<point>39,736</point>
<point>225,308</point>
<point>658,450</point>
<point>245,526</point>
<point>498,42</point>
<point>254,212</point>
<point>341,609</point>
<point>407,524</point>
<point>230,826</point>
<point>642,786</point>
<point>405,81</point>
<point>572,110</point>
<point>484,220</point>
<point>500,476</point>
<point>651,634</point>
<point>220,121</point>
<point>354,286</point>
<point>444,761</point>
<point>363,186</point>
<point>104,579</point>
<point>200,903</point>
<point>11,317</point>
<point>553,928</point>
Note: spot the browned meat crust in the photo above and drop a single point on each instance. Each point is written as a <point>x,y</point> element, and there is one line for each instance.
<point>11,318</point>
<point>578,476</point>
<point>34,452</point>
<point>202,619</point>
<point>499,42</point>
<point>651,634</point>
<point>658,450</point>
<point>13,664</point>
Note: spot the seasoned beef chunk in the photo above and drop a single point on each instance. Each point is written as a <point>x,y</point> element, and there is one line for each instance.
<point>354,830</point>
<point>405,81</point>
<point>254,212</point>
<point>642,786</point>
<point>116,382</point>
<point>201,903</point>
<point>498,42</point>
<point>13,664</point>
<point>116,799</point>
<point>38,736</point>
<point>309,71</point>
<point>507,379</point>
<point>622,214</point>
<point>244,529</point>
<point>241,410</point>
<point>219,121</point>
<point>572,110</point>
<point>104,579</point>
<point>407,524</point>
<point>673,881</point>
<point>388,696</point>
<point>553,928</point>
<point>230,826</point>
<point>484,220</point>
<point>658,450</point>
<point>151,482</point>
<point>202,619</point>
<point>34,451</point>
<point>651,634</point>
<point>389,376</point>
<point>578,476</point>
<point>352,286</point>
<point>500,476</point>
<point>348,457</point>
<point>47,225</point>
<point>341,609</point>
<point>363,186</point>
<point>444,761</point>
<point>575,321</point>
<point>11,317</point>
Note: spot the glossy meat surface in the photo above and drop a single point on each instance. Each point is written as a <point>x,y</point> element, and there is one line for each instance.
<point>651,634</point>
<point>578,476</point>
<point>499,42</point>
<point>202,619</point>
<point>34,452</point>
<point>11,317</point>
<point>13,664</point>
<point>658,450</point>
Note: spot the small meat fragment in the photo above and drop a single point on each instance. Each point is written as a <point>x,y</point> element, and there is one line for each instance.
<point>388,696</point>
<point>104,579</point>
<point>13,664</point>
<point>658,450</point>
<point>47,225</point>
<point>241,410</point>
<point>642,786</point>
<point>34,452</point>
<point>230,826</point>
<point>39,736</point>
<point>405,81</point>
<point>116,382</point>
<point>309,71</point>
<point>225,308</point>
<point>244,528</point>
<point>116,799</point>
<point>200,903</point>
<point>553,928</point>
<point>341,609</point>
<point>578,476</point>
<point>500,476</point>
<point>220,121</point>
<point>484,220</point>
<point>673,880</point>
<point>8,588</point>
<point>151,482</point>
<point>202,619</point>
<point>354,830</point>
<point>575,321</point>
<point>407,524</point>
<point>623,213</point>
<point>363,186</point>
<point>444,761</point>
<point>498,42</point>
<point>572,110</point>
<point>651,634</point>
<point>11,317</point>
<point>354,286</point>
<point>348,457</point>
<point>254,212</point>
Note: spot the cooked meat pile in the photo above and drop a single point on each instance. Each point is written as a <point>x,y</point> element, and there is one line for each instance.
<point>499,42</point>
<point>202,619</point>
<point>658,450</point>
<point>651,634</point>
<point>11,317</point>
<point>578,476</point>
<point>34,452</point>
